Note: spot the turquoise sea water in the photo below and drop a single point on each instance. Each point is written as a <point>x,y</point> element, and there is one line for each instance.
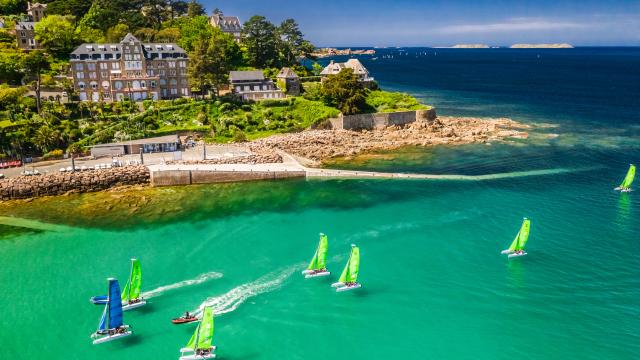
<point>434,283</point>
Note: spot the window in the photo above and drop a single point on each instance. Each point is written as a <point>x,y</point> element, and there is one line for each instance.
<point>185,91</point>
<point>91,66</point>
<point>115,66</point>
<point>174,91</point>
<point>104,74</point>
<point>92,75</point>
<point>183,64</point>
<point>118,85</point>
<point>79,66</point>
<point>153,84</point>
<point>172,64</point>
<point>143,84</point>
<point>94,85</point>
<point>173,82</point>
<point>163,82</point>
<point>81,85</point>
<point>104,66</point>
<point>80,75</point>
<point>105,85</point>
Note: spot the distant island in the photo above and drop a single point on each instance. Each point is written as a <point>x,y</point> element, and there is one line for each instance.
<point>542,46</point>
<point>470,46</point>
<point>326,52</point>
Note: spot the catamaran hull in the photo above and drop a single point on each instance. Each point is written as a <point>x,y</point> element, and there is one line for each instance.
<point>99,300</point>
<point>126,306</point>
<point>347,288</point>
<point>622,190</point>
<point>505,252</point>
<point>108,338</point>
<point>197,357</point>
<point>517,255</point>
<point>337,284</point>
<point>319,274</point>
<point>194,356</point>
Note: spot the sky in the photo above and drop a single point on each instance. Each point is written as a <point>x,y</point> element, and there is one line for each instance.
<point>445,23</point>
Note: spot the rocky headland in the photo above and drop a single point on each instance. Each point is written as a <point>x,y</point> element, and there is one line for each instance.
<point>322,145</point>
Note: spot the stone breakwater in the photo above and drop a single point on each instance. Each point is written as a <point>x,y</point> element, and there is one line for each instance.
<point>80,181</point>
<point>320,145</point>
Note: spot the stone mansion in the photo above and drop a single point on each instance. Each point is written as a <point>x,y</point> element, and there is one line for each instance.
<point>129,69</point>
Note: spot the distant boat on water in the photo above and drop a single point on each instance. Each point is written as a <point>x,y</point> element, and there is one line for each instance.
<point>625,186</point>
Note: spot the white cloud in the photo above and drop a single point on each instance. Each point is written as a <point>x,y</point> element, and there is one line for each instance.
<point>511,25</point>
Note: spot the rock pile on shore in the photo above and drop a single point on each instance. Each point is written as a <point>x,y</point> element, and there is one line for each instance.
<point>258,157</point>
<point>80,181</point>
<point>319,145</point>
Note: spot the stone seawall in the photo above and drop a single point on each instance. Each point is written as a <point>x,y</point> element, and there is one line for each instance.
<point>80,181</point>
<point>381,120</point>
<point>188,177</point>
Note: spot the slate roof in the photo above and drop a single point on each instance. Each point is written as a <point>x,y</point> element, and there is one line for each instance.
<point>95,48</point>
<point>253,75</point>
<point>227,23</point>
<point>287,73</point>
<point>355,64</point>
<point>25,25</point>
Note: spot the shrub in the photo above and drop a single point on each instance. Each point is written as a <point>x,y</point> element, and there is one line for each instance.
<point>239,136</point>
<point>53,154</point>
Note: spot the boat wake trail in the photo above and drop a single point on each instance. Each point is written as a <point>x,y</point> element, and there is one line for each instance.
<point>199,280</point>
<point>231,300</point>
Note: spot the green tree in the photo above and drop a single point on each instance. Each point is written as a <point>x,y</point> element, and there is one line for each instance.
<point>316,69</point>
<point>11,70</point>
<point>13,7</point>
<point>117,33</point>
<point>212,59</point>
<point>261,40</point>
<point>191,29</point>
<point>195,9</point>
<point>146,34</point>
<point>56,34</point>
<point>344,92</point>
<point>76,8</point>
<point>35,62</point>
<point>171,34</point>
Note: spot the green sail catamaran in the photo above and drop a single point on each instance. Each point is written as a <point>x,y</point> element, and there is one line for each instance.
<point>349,277</point>
<point>517,246</point>
<point>318,265</point>
<point>628,180</point>
<point>131,298</point>
<point>199,346</point>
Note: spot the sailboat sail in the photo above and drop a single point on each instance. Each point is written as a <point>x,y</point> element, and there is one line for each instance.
<point>203,336</point>
<point>350,272</point>
<point>522,237</point>
<point>132,289</point>
<point>319,260</point>
<point>628,180</point>
<point>115,304</point>
<point>103,320</point>
<point>354,265</point>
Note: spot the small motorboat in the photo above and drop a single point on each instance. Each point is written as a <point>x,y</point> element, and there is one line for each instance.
<point>184,319</point>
